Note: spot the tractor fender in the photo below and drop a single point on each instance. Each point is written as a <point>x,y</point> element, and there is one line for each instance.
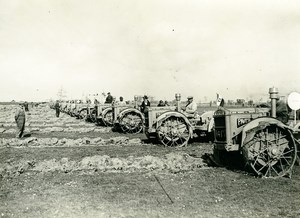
<point>259,124</point>
<point>81,109</point>
<point>168,114</point>
<point>128,110</point>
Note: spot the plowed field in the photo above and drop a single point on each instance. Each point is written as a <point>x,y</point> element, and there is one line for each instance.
<point>66,167</point>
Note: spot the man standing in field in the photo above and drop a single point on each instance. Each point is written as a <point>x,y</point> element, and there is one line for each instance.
<point>57,108</point>
<point>20,120</point>
<point>26,106</point>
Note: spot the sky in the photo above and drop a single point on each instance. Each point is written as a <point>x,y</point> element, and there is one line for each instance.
<point>237,48</point>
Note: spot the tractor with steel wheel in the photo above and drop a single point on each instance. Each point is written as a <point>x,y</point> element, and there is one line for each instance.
<point>87,112</point>
<point>265,145</point>
<point>128,118</point>
<point>102,114</point>
<point>171,127</point>
<point>82,111</point>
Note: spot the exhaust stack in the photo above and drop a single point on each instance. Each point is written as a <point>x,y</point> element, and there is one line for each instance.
<point>274,97</point>
<point>178,98</point>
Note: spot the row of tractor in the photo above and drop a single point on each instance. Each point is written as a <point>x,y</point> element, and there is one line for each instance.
<point>266,145</point>
<point>167,124</point>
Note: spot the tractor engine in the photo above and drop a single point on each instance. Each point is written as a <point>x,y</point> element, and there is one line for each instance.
<point>229,124</point>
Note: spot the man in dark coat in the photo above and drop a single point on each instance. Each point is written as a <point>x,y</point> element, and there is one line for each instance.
<point>109,99</point>
<point>144,108</point>
<point>20,120</point>
<point>57,108</point>
<point>145,104</point>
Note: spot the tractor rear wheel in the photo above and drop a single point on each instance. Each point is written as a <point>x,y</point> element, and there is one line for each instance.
<point>173,132</point>
<point>272,152</point>
<point>131,122</point>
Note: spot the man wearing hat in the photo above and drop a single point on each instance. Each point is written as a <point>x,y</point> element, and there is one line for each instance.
<point>145,104</point>
<point>191,107</point>
<point>161,103</point>
<point>109,98</point>
<point>20,120</point>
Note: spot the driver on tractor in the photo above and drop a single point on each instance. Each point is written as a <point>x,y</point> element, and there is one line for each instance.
<point>191,107</point>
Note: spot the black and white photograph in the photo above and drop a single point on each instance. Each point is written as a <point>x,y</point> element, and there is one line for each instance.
<point>149,108</point>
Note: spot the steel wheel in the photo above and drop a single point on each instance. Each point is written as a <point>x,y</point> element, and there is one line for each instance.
<point>83,114</point>
<point>271,153</point>
<point>174,132</point>
<point>131,122</point>
<point>107,117</point>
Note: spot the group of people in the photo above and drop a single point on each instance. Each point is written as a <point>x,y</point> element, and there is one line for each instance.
<point>105,99</point>
<point>162,103</point>
<point>189,109</point>
<point>109,99</point>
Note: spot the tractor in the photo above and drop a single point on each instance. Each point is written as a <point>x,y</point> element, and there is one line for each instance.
<point>96,113</point>
<point>102,114</point>
<point>173,128</point>
<point>80,110</point>
<point>262,142</point>
<point>128,118</point>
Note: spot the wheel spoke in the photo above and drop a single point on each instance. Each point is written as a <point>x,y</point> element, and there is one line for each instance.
<point>281,164</point>
<point>261,168</point>
<point>268,170</point>
<point>285,160</point>
<point>275,170</point>
<point>287,152</point>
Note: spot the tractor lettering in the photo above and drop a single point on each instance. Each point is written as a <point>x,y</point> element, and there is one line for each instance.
<point>242,121</point>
